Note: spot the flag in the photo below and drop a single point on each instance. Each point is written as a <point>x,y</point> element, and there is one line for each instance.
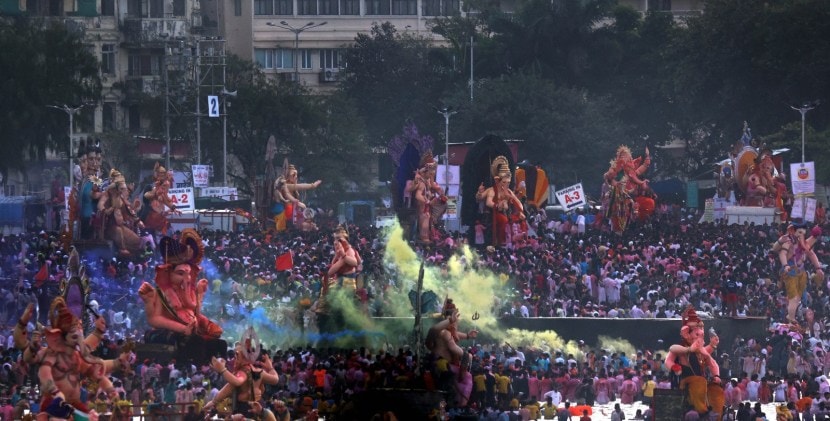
<point>284,262</point>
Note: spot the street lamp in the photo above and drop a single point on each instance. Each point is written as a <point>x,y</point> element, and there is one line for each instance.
<point>296,30</point>
<point>447,112</point>
<point>803,110</point>
<point>70,111</point>
<point>225,95</point>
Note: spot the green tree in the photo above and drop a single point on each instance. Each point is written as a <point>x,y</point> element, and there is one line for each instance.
<point>42,64</point>
<point>744,60</point>
<point>571,134</point>
<point>393,79</point>
<point>319,134</point>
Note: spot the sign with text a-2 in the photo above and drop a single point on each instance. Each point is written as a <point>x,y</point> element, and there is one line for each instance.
<point>182,198</point>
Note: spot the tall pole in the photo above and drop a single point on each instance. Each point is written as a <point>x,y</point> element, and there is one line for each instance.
<point>447,112</point>
<point>803,110</point>
<point>471,68</point>
<point>297,56</point>
<point>198,107</point>
<point>296,30</point>
<point>225,95</point>
<point>167,105</point>
<point>70,111</point>
<point>224,139</point>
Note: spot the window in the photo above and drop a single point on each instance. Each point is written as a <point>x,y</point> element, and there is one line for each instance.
<point>263,7</point>
<point>305,55</point>
<point>284,7</point>
<point>441,7</point>
<point>659,5</point>
<point>328,7</point>
<point>306,7</point>
<point>108,116</point>
<point>178,8</point>
<point>144,65</point>
<point>135,9</point>
<point>108,59</point>
<point>135,119</point>
<point>350,7</point>
<point>450,8</point>
<point>377,7</point>
<point>237,7</point>
<point>156,8</point>
<point>404,7</point>
<point>330,59</point>
<point>269,58</point>
<point>107,7</point>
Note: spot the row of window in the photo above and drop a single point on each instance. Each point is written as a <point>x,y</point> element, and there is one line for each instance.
<point>352,7</point>
<point>283,58</point>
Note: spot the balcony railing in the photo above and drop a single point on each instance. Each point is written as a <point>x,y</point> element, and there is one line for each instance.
<point>154,30</point>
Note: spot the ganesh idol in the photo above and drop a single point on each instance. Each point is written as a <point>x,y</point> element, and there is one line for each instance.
<point>699,372</point>
<point>174,305</point>
<point>156,203</point>
<point>624,191</point>
<point>66,360</point>
<point>501,200</point>
<point>286,205</point>
<point>430,201</point>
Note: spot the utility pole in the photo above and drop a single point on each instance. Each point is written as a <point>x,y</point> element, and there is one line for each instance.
<point>70,111</point>
<point>447,112</point>
<point>803,110</point>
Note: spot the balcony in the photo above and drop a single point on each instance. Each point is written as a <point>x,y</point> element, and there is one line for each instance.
<point>140,31</point>
<point>86,24</point>
<point>137,86</point>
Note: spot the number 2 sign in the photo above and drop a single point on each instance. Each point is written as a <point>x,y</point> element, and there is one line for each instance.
<point>182,198</point>
<point>213,106</point>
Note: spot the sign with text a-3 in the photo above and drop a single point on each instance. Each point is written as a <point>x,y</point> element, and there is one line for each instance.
<point>571,197</point>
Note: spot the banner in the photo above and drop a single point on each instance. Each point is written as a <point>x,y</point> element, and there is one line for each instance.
<point>803,176</point>
<point>201,175</point>
<point>182,198</point>
<point>181,180</point>
<point>67,191</point>
<point>226,193</point>
<point>441,175</point>
<point>571,197</point>
<point>810,210</point>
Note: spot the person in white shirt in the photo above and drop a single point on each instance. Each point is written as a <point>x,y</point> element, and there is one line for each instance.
<point>580,224</point>
<point>554,395</point>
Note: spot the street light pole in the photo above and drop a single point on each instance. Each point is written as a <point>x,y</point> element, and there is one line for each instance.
<point>803,110</point>
<point>447,112</point>
<point>70,111</point>
<point>225,95</point>
<point>296,30</point>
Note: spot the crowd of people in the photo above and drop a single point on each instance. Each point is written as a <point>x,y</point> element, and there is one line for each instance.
<point>655,270</point>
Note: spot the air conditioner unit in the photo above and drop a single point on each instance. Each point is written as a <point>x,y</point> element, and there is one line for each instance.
<point>289,77</point>
<point>331,75</point>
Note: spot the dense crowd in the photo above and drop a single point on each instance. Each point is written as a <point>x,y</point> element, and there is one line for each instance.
<point>560,269</point>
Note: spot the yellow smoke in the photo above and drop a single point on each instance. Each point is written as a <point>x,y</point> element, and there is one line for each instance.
<point>474,291</point>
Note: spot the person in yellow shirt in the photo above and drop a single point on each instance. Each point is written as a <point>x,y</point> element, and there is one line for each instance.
<point>122,408</point>
<point>549,409</point>
<point>199,402</point>
<point>479,387</point>
<point>503,388</point>
<point>102,404</point>
<point>648,389</point>
<point>533,409</point>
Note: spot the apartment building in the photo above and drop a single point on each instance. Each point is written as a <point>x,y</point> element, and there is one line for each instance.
<point>303,39</point>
